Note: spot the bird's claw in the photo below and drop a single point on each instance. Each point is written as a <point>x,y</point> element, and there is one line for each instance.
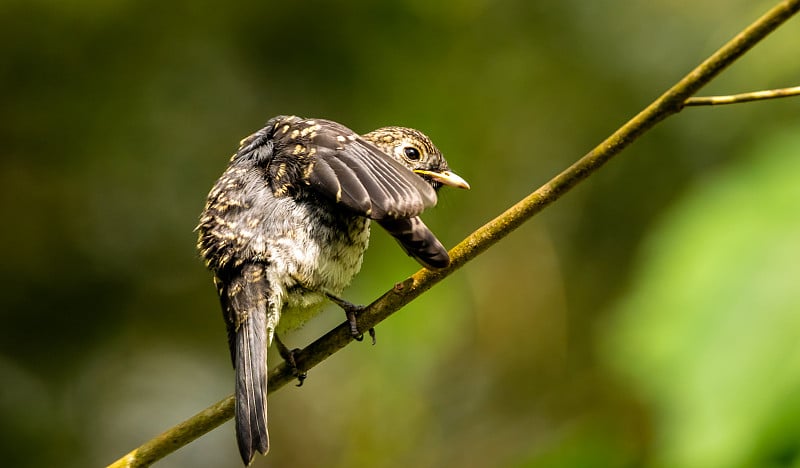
<point>350,311</point>
<point>288,355</point>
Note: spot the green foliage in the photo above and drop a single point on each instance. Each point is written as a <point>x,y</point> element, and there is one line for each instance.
<point>709,331</point>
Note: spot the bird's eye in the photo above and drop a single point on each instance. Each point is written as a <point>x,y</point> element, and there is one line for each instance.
<point>411,153</point>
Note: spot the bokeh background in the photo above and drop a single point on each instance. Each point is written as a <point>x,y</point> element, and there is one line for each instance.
<point>651,317</point>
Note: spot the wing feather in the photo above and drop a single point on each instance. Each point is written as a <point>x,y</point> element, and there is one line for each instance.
<point>342,167</point>
<point>391,189</point>
<point>418,241</point>
<point>352,191</point>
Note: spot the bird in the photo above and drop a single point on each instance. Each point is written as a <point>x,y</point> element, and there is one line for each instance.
<point>285,228</point>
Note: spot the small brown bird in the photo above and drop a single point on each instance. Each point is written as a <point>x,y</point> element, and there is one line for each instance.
<point>286,225</point>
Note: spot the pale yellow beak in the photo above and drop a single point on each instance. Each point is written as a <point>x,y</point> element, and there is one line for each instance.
<point>446,178</point>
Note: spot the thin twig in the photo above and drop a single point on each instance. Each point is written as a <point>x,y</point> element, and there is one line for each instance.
<point>667,104</point>
<point>743,97</point>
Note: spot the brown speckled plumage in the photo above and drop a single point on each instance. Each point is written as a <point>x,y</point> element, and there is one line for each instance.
<point>287,224</point>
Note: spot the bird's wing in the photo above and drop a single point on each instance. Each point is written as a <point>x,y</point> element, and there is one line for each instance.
<point>343,167</point>
<point>244,295</point>
<point>418,241</point>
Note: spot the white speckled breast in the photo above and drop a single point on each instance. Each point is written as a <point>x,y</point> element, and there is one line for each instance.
<point>309,259</point>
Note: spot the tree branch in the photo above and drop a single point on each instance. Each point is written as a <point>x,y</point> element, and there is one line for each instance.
<point>669,103</point>
<point>743,97</point>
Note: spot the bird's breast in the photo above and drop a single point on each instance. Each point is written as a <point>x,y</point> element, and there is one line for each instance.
<point>314,251</point>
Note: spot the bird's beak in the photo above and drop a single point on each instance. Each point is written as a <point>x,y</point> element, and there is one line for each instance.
<point>445,177</point>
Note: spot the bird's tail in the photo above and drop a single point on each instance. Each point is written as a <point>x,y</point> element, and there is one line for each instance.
<point>249,344</point>
<point>418,241</point>
<point>251,389</point>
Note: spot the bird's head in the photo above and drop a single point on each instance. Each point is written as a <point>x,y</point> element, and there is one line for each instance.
<point>417,152</point>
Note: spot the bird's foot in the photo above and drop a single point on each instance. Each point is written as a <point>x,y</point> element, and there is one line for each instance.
<point>350,311</point>
<point>288,356</point>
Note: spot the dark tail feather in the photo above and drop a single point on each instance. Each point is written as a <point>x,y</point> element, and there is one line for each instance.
<point>418,241</point>
<point>251,386</point>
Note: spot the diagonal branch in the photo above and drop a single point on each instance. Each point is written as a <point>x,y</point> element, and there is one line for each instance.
<point>669,103</point>
<point>743,97</point>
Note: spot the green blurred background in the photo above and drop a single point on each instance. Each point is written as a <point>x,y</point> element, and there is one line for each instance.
<point>649,318</point>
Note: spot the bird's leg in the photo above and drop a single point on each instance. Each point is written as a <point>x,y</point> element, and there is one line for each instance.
<point>288,356</point>
<point>350,311</point>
